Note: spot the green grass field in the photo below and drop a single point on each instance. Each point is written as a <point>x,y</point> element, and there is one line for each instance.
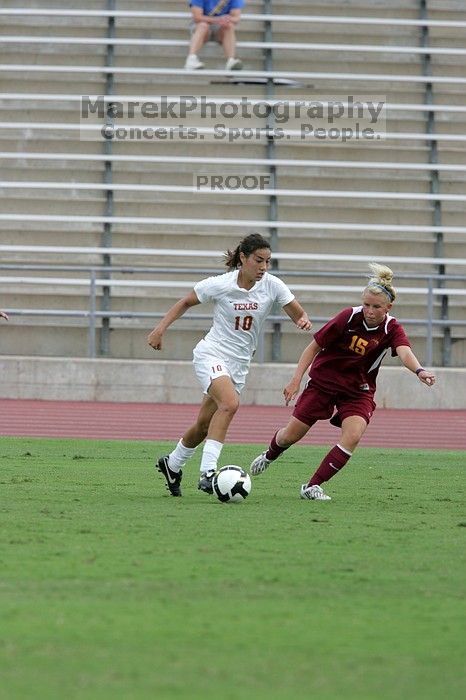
<point>110,589</point>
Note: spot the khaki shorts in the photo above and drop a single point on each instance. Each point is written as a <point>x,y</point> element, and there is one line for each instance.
<point>213,31</point>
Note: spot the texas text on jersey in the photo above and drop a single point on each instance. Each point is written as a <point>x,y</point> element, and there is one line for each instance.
<point>239,313</point>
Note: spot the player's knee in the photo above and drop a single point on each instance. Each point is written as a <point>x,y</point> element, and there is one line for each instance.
<point>351,439</point>
<point>229,407</point>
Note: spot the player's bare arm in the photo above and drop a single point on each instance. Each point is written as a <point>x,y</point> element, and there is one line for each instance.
<point>4,315</point>
<point>304,362</point>
<point>230,20</point>
<point>297,314</point>
<point>177,310</point>
<point>197,13</point>
<point>411,362</point>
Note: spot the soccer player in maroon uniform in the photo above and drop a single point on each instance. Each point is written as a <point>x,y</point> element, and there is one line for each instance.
<point>344,359</point>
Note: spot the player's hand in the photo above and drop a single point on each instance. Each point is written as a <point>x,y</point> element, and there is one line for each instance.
<point>155,339</point>
<point>4,315</point>
<point>290,391</point>
<point>427,377</point>
<point>304,323</point>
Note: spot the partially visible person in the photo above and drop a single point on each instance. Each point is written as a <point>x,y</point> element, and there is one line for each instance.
<point>344,359</point>
<point>243,298</point>
<point>4,315</point>
<point>215,20</point>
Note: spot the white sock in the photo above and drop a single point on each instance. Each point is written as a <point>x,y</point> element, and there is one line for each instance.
<point>210,455</point>
<point>343,449</point>
<point>180,455</point>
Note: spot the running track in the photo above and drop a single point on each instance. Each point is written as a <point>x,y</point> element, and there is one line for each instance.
<point>252,424</point>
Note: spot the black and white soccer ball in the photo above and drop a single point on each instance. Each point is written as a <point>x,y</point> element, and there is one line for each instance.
<point>231,484</point>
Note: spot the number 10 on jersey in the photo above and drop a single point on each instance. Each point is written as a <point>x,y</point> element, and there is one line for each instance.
<point>243,324</point>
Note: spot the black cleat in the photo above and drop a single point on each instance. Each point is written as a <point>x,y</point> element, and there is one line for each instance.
<point>205,482</point>
<point>173,479</point>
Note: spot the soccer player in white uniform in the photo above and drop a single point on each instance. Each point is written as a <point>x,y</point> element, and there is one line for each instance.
<point>243,298</point>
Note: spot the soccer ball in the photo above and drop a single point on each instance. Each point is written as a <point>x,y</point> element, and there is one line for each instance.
<point>231,484</point>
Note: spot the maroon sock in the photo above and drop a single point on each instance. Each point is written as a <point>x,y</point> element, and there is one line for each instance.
<point>330,465</point>
<point>275,450</point>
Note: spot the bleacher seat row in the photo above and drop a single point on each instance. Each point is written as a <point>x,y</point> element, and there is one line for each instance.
<point>399,197</point>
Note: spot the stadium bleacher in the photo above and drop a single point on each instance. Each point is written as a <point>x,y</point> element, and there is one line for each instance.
<point>67,193</point>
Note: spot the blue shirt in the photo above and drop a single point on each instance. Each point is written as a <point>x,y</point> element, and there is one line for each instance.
<point>208,5</point>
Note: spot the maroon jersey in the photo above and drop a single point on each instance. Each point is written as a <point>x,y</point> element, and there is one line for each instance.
<point>351,352</point>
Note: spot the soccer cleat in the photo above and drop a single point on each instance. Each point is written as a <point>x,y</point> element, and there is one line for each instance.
<point>260,464</point>
<point>193,63</point>
<point>233,64</point>
<point>313,493</point>
<point>173,479</point>
<point>205,482</point>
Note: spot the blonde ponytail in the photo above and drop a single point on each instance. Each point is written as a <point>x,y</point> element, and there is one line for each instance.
<point>380,281</point>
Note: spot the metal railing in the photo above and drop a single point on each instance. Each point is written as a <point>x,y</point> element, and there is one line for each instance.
<point>253,17</point>
<point>95,281</point>
<point>436,285</point>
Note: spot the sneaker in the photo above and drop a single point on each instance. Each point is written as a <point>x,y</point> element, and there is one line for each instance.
<point>233,64</point>
<point>259,464</point>
<point>314,493</point>
<point>173,479</point>
<point>205,482</point>
<point>193,63</point>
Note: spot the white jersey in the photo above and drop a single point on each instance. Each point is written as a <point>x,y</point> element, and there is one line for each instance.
<point>239,314</point>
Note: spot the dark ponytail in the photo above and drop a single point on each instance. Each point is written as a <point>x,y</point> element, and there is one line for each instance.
<point>248,245</point>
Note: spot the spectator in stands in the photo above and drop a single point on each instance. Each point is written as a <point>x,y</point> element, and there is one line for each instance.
<point>344,358</point>
<point>216,20</point>
<point>3,315</point>
<point>243,298</point>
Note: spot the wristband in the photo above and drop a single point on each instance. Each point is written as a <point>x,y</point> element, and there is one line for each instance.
<point>419,369</point>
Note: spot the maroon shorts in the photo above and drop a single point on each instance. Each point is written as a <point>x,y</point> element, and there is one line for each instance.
<point>314,404</point>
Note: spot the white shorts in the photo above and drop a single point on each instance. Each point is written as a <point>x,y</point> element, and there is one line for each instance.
<point>209,366</point>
